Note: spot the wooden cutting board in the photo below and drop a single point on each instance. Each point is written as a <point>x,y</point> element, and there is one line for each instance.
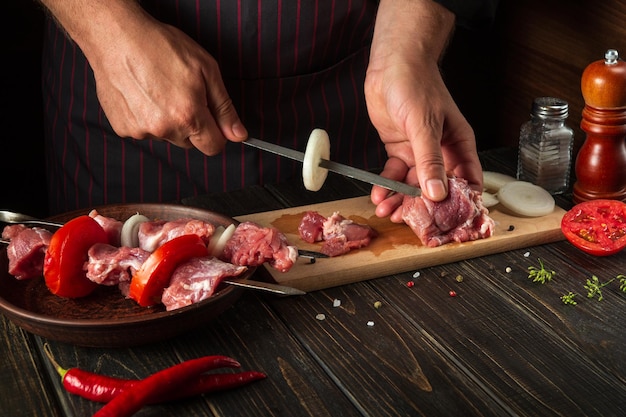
<point>396,249</point>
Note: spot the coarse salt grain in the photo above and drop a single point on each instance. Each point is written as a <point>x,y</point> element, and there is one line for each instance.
<point>321,317</point>
<point>417,274</point>
<point>370,323</point>
<point>527,254</point>
<point>336,302</point>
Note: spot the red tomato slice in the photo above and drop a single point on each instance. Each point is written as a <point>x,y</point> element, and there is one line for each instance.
<point>66,255</point>
<point>597,227</point>
<point>148,283</point>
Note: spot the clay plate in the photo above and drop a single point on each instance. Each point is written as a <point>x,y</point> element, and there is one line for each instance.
<point>105,318</point>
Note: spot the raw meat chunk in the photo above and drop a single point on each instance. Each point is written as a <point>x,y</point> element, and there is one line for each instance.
<point>311,228</point>
<point>252,245</point>
<point>111,226</point>
<point>461,217</point>
<point>155,233</point>
<point>196,280</point>
<point>26,250</point>
<point>110,265</point>
<point>340,235</point>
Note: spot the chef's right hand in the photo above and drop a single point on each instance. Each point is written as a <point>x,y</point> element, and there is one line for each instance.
<point>152,80</point>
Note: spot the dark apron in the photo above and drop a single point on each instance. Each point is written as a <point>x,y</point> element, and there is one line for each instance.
<point>289,66</point>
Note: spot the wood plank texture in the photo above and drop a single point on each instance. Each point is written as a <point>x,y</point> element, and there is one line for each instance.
<point>25,387</point>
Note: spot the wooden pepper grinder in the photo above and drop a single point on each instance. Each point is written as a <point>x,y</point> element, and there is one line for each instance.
<point>601,162</point>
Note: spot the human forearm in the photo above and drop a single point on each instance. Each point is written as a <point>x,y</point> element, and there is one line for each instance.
<point>413,30</point>
<point>95,25</point>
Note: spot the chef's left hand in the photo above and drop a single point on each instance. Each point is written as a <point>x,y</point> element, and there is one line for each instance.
<point>425,135</point>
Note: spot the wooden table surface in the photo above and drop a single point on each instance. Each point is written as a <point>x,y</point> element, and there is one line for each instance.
<point>504,346</point>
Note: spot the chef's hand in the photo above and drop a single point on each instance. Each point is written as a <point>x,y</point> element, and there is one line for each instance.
<point>424,133</point>
<point>152,80</point>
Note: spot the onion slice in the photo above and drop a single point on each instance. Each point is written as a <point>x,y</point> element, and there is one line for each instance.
<point>489,200</point>
<point>129,236</point>
<point>219,239</point>
<point>318,147</point>
<point>526,199</point>
<point>493,181</point>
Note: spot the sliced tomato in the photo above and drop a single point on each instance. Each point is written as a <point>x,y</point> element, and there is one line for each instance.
<point>66,255</point>
<point>597,227</point>
<point>148,283</point>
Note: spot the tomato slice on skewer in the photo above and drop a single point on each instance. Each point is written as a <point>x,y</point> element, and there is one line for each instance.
<point>597,227</point>
<point>147,284</point>
<point>66,255</point>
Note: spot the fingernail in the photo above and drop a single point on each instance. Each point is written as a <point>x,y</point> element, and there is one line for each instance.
<point>436,189</point>
<point>239,130</point>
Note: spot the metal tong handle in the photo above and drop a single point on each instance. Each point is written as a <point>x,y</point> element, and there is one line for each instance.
<point>12,217</point>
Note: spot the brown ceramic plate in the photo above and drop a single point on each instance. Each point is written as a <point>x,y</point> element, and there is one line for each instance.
<point>105,318</point>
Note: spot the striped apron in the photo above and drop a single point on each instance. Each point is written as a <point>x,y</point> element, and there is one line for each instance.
<point>288,65</point>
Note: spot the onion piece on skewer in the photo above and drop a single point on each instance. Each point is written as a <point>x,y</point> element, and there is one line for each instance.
<point>219,239</point>
<point>129,236</point>
<point>318,147</point>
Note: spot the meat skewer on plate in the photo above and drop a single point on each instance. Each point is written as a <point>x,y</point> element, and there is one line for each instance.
<point>111,264</point>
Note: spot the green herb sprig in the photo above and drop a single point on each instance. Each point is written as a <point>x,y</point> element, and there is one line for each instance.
<point>569,298</point>
<point>594,287</point>
<point>541,274</point>
<point>622,282</point>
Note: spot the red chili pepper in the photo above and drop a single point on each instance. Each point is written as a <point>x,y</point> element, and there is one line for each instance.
<point>157,385</point>
<point>91,386</point>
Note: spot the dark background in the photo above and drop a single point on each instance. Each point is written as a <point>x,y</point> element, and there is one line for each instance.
<point>22,169</point>
<point>535,48</point>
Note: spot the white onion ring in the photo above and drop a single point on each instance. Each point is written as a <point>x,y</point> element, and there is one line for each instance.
<point>493,181</point>
<point>526,199</point>
<point>129,236</point>
<point>318,147</point>
<point>219,239</point>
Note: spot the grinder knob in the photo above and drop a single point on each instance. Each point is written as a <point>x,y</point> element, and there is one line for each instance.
<point>603,82</point>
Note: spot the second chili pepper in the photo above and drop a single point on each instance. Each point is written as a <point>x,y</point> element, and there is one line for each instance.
<point>81,383</point>
<point>129,401</point>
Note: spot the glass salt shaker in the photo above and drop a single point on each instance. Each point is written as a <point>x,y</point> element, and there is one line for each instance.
<point>545,146</point>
